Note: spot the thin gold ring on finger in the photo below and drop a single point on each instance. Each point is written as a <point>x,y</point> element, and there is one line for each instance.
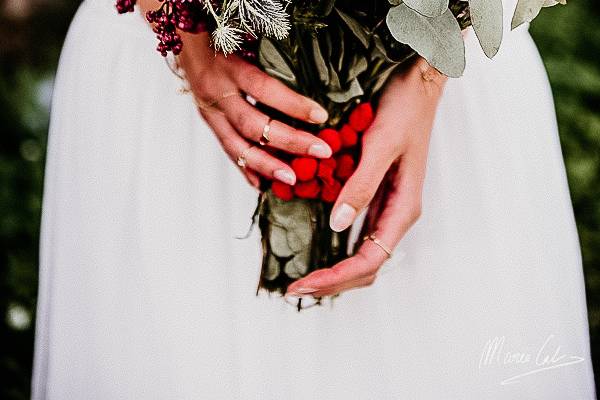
<point>205,106</point>
<point>379,243</point>
<point>242,159</point>
<point>265,137</point>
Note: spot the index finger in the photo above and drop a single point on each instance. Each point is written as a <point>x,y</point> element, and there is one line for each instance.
<point>275,94</point>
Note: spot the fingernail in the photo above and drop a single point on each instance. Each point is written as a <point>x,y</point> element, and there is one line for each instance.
<point>319,150</point>
<point>318,115</point>
<point>342,217</point>
<point>303,290</point>
<point>285,176</point>
<point>307,301</point>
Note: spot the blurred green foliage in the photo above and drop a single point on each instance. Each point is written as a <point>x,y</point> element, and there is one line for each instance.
<point>568,38</point>
<point>569,41</point>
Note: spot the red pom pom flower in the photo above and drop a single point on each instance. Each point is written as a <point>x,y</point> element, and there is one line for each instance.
<point>282,190</point>
<point>345,166</point>
<point>307,190</point>
<point>361,117</point>
<point>332,138</point>
<point>349,136</point>
<point>331,191</point>
<point>305,168</point>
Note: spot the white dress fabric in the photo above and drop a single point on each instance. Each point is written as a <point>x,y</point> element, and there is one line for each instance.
<point>145,292</point>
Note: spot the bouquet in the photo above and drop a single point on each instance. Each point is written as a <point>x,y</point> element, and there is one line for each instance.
<point>339,53</point>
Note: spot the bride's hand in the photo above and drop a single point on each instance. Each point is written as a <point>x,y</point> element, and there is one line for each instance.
<point>217,82</point>
<point>396,146</point>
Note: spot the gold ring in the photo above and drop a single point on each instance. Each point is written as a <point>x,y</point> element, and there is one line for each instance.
<point>242,159</point>
<point>206,106</point>
<point>265,139</point>
<point>378,242</point>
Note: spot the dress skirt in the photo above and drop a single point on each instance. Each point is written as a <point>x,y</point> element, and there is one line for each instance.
<point>146,292</point>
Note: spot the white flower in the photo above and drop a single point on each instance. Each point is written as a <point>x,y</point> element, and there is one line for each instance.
<point>227,38</point>
<point>265,16</point>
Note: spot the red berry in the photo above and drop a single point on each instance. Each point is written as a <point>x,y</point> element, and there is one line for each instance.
<point>305,168</point>
<point>361,117</point>
<point>282,190</point>
<point>345,166</point>
<point>332,138</point>
<point>307,190</point>
<point>331,191</point>
<point>349,136</point>
<point>326,169</point>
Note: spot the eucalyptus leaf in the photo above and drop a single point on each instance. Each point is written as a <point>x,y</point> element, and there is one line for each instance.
<point>272,269</point>
<point>428,8</point>
<point>288,214</point>
<point>356,27</point>
<point>274,63</point>
<point>334,80</point>
<point>438,40</point>
<point>382,77</point>
<point>353,90</point>
<point>526,11</point>
<point>358,66</point>
<point>320,63</point>
<point>298,266</point>
<point>487,19</point>
<point>279,242</point>
<point>299,238</point>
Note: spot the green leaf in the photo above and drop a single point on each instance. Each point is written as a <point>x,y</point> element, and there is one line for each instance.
<point>343,96</point>
<point>526,11</point>
<point>279,242</point>
<point>438,40</point>
<point>358,66</point>
<point>298,266</point>
<point>381,78</point>
<point>487,18</point>
<point>272,268</point>
<point>356,27</point>
<point>320,63</point>
<point>428,8</point>
<point>274,63</point>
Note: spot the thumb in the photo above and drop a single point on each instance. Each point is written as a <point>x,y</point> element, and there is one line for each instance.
<point>360,189</point>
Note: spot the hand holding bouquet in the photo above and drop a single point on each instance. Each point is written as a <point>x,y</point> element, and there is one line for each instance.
<point>341,54</point>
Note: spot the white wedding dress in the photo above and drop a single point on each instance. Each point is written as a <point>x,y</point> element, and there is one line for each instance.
<point>145,292</point>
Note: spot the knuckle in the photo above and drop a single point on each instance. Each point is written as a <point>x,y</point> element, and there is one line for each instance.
<point>370,280</point>
<point>362,194</point>
<point>386,145</point>
<point>244,124</point>
<point>257,82</point>
<point>415,212</point>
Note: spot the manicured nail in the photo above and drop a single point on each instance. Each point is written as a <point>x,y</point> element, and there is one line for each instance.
<point>319,150</point>
<point>342,217</point>
<point>307,301</point>
<point>318,115</point>
<point>306,290</point>
<point>285,176</point>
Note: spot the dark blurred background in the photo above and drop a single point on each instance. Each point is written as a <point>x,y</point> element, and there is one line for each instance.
<point>31,35</point>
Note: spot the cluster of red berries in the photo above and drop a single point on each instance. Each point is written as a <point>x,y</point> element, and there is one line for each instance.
<point>172,15</point>
<point>323,178</point>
